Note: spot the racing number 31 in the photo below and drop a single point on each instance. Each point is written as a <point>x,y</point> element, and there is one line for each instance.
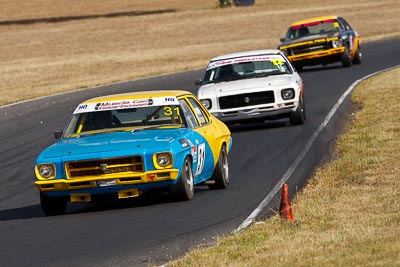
<point>168,111</point>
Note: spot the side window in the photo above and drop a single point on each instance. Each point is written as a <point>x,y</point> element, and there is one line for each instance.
<point>198,109</point>
<point>344,24</point>
<point>341,25</point>
<point>188,114</point>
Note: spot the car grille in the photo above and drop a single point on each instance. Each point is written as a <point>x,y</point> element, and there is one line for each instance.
<point>245,100</point>
<point>125,165</point>
<point>308,48</point>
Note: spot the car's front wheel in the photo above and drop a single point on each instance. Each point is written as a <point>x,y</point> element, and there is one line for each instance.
<point>346,58</point>
<point>298,116</point>
<point>184,188</point>
<point>221,171</point>
<point>53,205</point>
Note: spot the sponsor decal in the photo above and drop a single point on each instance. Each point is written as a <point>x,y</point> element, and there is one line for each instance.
<point>321,40</point>
<point>126,104</point>
<point>190,142</point>
<point>220,63</point>
<point>277,62</point>
<point>183,142</point>
<point>82,107</point>
<point>169,99</point>
<point>193,150</point>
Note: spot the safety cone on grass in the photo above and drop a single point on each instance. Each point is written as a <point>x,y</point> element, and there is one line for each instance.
<point>285,209</point>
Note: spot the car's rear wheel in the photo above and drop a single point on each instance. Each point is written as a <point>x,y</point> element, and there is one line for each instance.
<point>184,188</point>
<point>53,205</point>
<point>358,56</point>
<point>221,171</point>
<point>346,58</point>
<point>298,116</point>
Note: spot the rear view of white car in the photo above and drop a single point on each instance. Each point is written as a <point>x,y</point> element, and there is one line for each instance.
<point>253,86</point>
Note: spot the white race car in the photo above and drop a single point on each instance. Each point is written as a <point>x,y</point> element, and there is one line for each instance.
<point>253,86</point>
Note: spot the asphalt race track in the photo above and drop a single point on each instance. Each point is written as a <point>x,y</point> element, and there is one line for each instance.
<point>153,230</point>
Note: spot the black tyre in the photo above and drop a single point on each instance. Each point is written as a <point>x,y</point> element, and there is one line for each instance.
<point>53,205</point>
<point>358,56</point>
<point>346,58</point>
<point>298,67</point>
<point>298,116</point>
<point>184,188</point>
<point>221,171</point>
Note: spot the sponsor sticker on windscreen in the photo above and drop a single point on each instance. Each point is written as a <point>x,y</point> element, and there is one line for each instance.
<point>224,62</point>
<point>126,104</point>
<point>313,23</point>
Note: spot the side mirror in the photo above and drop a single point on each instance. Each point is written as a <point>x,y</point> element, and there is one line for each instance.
<point>198,82</point>
<point>58,134</point>
<point>282,39</point>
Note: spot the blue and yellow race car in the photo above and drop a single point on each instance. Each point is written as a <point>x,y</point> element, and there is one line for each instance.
<point>128,144</point>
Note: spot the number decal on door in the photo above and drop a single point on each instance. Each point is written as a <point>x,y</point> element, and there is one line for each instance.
<point>201,155</point>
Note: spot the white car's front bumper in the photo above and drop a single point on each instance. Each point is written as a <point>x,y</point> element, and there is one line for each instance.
<point>256,113</point>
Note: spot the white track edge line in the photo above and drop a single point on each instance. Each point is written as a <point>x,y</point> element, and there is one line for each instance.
<point>250,219</point>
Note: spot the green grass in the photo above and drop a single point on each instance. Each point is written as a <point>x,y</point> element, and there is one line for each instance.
<point>349,213</point>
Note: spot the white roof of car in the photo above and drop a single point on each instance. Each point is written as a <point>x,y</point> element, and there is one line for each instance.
<point>247,53</point>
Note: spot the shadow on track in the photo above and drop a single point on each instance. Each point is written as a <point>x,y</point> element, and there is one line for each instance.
<point>71,18</point>
<point>317,68</point>
<point>35,211</point>
<point>259,126</point>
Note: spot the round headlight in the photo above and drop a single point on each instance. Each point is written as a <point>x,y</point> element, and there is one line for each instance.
<point>287,94</point>
<point>46,170</point>
<point>164,159</point>
<point>337,43</point>
<point>206,103</point>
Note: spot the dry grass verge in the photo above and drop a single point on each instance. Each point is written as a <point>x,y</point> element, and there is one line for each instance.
<point>349,214</point>
<point>46,58</point>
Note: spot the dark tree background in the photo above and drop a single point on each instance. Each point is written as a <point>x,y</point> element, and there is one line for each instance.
<point>226,3</point>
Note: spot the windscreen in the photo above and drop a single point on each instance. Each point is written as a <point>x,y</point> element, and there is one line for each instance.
<point>246,67</point>
<point>312,28</point>
<point>124,115</point>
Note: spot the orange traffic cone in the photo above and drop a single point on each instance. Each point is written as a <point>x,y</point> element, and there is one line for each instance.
<point>285,210</point>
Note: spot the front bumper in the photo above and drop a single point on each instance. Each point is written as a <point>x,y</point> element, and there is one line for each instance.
<point>108,185</point>
<point>256,114</point>
<point>317,55</point>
